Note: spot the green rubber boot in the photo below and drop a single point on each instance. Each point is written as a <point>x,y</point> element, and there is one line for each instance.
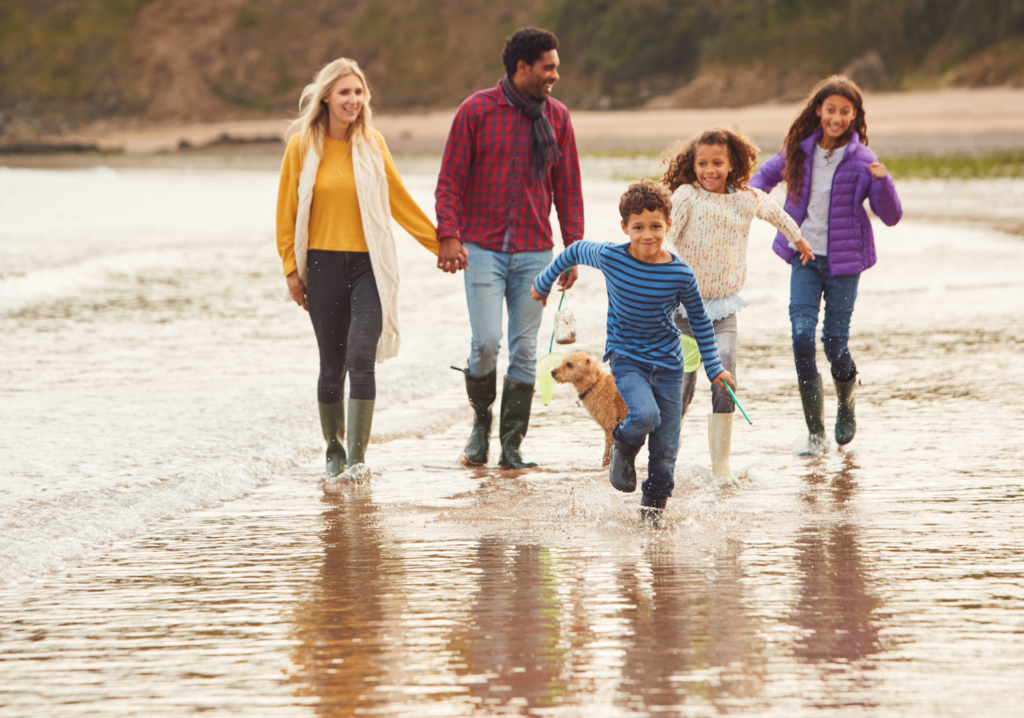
<point>516,402</point>
<point>482,391</point>
<point>812,396</point>
<point>846,420</point>
<point>332,422</point>
<point>360,419</point>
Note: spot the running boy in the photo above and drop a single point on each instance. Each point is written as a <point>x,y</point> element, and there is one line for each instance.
<point>645,285</point>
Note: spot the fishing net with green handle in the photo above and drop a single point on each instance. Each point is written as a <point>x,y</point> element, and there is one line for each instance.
<point>545,382</point>
<point>691,353</point>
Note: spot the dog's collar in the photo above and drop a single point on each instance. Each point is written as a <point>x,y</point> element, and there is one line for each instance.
<point>584,394</point>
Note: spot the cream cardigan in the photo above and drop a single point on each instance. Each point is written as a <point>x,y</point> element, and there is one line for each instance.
<point>375,209</point>
<point>710,231</point>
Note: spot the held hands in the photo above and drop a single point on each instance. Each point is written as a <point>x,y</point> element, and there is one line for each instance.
<point>297,290</point>
<point>877,170</point>
<point>451,255</point>
<point>804,248</point>
<point>725,376</point>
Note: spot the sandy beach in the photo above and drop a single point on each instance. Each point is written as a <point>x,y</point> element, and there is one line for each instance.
<point>167,544</point>
<point>951,121</point>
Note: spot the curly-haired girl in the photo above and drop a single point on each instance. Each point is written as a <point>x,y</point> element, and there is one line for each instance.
<point>712,212</point>
<point>829,172</point>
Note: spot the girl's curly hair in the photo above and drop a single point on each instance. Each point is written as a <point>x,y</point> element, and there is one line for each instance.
<point>808,122</point>
<point>742,156</point>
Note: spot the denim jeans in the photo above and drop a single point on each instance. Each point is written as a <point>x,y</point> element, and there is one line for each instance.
<point>654,397</point>
<point>807,285</point>
<point>494,277</point>
<point>727,341</point>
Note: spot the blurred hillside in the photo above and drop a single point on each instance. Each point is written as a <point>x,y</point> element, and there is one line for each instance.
<point>65,63</point>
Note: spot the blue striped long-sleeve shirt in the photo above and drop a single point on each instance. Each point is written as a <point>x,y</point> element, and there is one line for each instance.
<point>641,299</point>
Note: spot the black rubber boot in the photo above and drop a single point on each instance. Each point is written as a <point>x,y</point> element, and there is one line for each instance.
<point>516,402</point>
<point>621,469</point>
<point>651,510</point>
<point>812,396</point>
<point>332,422</point>
<point>360,419</point>
<point>482,391</point>
<point>846,420</point>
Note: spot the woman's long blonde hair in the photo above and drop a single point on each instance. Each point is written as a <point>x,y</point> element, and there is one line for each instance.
<point>313,112</point>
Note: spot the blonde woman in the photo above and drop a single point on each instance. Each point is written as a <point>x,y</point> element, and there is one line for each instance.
<point>339,189</point>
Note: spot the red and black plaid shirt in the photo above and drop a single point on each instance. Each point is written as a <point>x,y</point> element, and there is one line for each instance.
<point>484,193</point>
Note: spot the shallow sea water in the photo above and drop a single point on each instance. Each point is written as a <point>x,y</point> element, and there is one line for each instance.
<point>167,545</point>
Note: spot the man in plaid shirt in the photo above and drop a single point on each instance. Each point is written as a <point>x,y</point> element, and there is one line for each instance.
<point>511,152</point>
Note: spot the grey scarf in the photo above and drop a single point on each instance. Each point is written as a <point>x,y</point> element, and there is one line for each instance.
<point>543,145</point>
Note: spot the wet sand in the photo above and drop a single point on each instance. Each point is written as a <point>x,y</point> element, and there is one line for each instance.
<point>951,121</point>
<point>884,579</point>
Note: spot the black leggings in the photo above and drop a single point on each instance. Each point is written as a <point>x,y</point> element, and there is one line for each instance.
<point>344,306</point>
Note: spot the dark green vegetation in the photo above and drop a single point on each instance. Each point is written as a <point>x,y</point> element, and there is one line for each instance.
<point>76,54</point>
<point>83,59</point>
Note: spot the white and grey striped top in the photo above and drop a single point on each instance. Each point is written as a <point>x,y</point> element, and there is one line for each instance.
<point>815,226</point>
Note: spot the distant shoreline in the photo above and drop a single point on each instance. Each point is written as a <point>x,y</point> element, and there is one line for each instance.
<point>944,122</point>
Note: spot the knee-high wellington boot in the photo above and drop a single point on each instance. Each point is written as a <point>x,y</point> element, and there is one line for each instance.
<point>846,420</point>
<point>812,396</point>
<point>360,419</point>
<point>622,467</point>
<point>516,403</point>
<point>720,444</point>
<point>332,422</point>
<point>482,391</point>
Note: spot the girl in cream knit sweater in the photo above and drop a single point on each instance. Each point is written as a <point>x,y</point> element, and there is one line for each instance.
<point>712,212</point>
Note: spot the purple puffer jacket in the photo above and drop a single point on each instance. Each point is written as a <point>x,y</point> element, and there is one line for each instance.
<point>851,244</point>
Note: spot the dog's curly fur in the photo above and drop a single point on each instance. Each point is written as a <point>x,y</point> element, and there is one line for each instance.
<point>602,401</point>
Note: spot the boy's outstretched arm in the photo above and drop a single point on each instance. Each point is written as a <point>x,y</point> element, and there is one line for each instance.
<point>538,297</point>
<point>581,252</point>
<point>703,331</point>
<point>724,378</point>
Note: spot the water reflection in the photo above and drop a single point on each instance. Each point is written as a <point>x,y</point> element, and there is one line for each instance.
<point>340,654</point>
<point>495,625</point>
<point>514,636</point>
<point>836,607</point>
<point>692,639</point>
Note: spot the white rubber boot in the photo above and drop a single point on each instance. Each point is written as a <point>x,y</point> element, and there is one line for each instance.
<point>720,443</point>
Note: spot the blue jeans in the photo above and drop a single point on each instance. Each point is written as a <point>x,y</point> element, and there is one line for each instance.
<point>654,397</point>
<point>491,278</point>
<point>807,285</point>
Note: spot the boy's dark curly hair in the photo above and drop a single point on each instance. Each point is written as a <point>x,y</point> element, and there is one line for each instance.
<point>742,156</point>
<point>527,44</point>
<point>642,195</point>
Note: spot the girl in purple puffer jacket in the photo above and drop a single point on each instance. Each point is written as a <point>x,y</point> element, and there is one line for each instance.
<point>829,172</point>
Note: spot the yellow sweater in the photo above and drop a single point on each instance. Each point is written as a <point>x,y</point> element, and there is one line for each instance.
<point>335,223</point>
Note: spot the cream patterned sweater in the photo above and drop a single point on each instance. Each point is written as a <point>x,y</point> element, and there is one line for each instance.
<point>710,231</point>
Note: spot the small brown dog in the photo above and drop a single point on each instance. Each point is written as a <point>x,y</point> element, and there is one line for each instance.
<point>597,391</point>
